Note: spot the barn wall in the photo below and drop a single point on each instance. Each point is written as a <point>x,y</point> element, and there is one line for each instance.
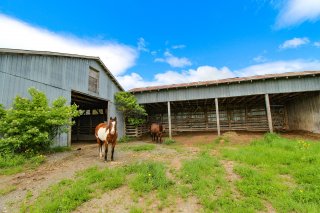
<point>54,75</point>
<point>269,86</point>
<point>232,118</point>
<point>304,114</point>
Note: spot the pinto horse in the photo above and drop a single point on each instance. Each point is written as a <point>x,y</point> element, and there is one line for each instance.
<point>156,131</point>
<point>107,134</point>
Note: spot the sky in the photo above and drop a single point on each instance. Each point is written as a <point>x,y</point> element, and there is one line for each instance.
<point>147,42</point>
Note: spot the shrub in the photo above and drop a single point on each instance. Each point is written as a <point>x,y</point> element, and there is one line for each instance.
<point>168,141</point>
<point>31,124</point>
<point>125,139</point>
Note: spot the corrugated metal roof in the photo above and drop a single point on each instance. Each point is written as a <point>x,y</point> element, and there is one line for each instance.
<point>226,81</point>
<point>48,53</point>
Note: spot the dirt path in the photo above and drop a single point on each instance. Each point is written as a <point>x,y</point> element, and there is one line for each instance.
<point>57,167</point>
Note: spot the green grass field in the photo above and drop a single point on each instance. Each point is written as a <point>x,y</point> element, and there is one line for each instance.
<point>271,173</point>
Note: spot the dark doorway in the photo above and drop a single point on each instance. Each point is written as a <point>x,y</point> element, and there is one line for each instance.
<point>93,111</point>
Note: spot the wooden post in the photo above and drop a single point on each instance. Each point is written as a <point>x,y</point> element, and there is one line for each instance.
<point>268,112</point>
<point>169,119</point>
<point>109,111</point>
<point>217,115</point>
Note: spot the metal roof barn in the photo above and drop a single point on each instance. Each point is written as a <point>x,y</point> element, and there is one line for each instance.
<point>83,80</point>
<point>287,101</point>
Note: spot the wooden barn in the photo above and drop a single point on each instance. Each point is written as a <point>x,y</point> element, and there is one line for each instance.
<point>276,102</point>
<point>83,80</point>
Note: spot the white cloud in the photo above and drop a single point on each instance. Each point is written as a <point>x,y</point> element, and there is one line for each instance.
<point>279,67</point>
<point>294,43</point>
<point>174,61</point>
<point>260,59</point>
<point>317,44</point>
<point>206,73</point>
<point>17,34</point>
<point>293,12</point>
<point>202,73</point>
<point>179,46</point>
<point>142,46</point>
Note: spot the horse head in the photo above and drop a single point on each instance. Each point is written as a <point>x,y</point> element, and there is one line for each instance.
<point>113,125</point>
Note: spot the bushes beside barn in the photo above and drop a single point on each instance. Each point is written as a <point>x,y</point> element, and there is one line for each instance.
<point>31,124</point>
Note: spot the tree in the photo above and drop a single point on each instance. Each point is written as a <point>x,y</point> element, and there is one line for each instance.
<point>31,124</point>
<point>128,105</point>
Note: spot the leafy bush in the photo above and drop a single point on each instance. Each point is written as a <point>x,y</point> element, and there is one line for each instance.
<point>125,139</point>
<point>31,124</point>
<point>168,141</point>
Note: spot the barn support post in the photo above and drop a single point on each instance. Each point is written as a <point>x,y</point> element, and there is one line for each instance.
<point>268,112</point>
<point>217,115</point>
<point>169,119</point>
<point>108,111</point>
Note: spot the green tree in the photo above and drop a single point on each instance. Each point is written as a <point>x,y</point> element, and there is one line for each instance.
<point>128,105</point>
<point>31,124</point>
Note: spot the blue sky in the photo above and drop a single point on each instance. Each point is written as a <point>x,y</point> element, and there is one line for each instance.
<point>147,42</point>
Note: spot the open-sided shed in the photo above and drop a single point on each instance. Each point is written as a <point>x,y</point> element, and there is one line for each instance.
<point>288,101</point>
<point>83,80</point>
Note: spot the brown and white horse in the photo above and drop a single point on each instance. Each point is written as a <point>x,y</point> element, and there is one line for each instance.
<point>107,134</point>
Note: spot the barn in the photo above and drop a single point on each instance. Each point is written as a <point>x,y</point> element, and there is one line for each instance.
<point>83,80</point>
<point>275,102</point>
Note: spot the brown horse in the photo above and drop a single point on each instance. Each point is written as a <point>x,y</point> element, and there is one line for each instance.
<point>156,131</point>
<point>107,134</point>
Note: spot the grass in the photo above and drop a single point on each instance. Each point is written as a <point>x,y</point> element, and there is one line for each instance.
<point>15,163</point>
<point>204,177</point>
<point>12,164</point>
<point>7,189</point>
<point>139,148</point>
<point>68,194</point>
<point>149,176</point>
<point>282,173</point>
<point>264,163</point>
<point>168,141</point>
<point>126,139</point>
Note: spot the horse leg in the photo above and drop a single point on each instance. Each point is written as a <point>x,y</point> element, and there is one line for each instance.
<point>98,141</point>
<point>100,149</point>
<point>106,151</point>
<point>113,145</point>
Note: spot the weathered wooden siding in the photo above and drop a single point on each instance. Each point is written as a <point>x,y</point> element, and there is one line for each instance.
<point>54,75</point>
<point>268,86</point>
<point>304,114</point>
<point>232,118</point>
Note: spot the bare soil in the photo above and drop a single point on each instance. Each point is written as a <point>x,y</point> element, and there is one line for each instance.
<point>84,155</point>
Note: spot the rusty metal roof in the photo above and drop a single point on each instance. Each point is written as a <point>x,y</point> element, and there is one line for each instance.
<point>226,81</point>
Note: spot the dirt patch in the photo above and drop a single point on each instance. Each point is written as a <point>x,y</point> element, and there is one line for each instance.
<point>57,167</point>
<point>269,207</point>
<point>231,177</point>
<point>117,200</point>
<point>191,204</point>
